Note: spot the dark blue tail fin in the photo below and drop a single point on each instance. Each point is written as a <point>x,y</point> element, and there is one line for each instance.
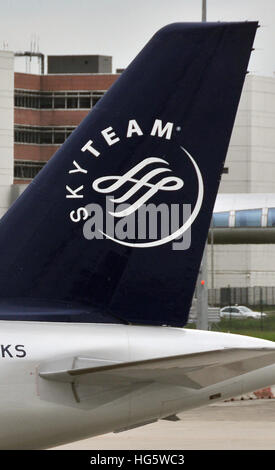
<point>117,220</point>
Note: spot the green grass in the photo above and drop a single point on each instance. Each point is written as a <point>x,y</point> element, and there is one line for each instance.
<point>264,328</point>
<point>246,331</point>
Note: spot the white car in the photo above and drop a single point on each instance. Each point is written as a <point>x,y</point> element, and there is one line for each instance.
<point>239,311</point>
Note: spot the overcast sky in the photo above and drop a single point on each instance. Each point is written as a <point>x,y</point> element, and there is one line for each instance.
<point>120,28</point>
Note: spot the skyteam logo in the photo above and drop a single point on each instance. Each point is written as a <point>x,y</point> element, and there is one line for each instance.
<point>120,181</point>
<point>146,205</point>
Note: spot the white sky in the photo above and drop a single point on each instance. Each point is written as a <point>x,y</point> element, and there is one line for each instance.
<point>120,28</point>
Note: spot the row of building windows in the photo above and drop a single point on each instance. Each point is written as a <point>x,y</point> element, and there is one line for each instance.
<point>244,218</point>
<point>56,100</point>
<point>41,135</point>
<point>27,170</point>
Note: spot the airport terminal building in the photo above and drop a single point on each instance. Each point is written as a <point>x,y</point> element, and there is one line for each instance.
<point>38,113</point>
<point>251,171</point>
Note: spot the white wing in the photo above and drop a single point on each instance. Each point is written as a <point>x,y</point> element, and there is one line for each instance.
<point>99,381</point>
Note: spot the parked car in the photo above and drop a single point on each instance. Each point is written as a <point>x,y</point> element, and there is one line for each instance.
<point>240,311</point>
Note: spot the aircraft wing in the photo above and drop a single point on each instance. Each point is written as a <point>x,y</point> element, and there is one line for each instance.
<point>195,370</point>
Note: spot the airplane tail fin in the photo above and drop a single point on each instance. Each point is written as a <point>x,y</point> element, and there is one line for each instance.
<point>118,218</point>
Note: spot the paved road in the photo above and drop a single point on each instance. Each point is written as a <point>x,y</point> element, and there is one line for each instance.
<point>248,424</point>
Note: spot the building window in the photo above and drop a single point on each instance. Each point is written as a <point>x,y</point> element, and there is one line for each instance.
<point>221,219</point>
<point>84,101</point>
<point>271,217</point>
<point>95,99</point>
<point>59,136</point>
<point>71,102</point>
<point>59,101</point>
<point>56,99</point>
<point>26,99</point>
<point>41,135</point>
<point>248,218</point>
<point>44,136</point>
<point>27,169</point>
<point>46,101</point>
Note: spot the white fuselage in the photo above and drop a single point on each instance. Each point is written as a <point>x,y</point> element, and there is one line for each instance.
<point>30,420</point>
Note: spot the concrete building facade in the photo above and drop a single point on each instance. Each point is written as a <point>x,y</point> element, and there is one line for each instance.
<point>6,128</point>
<point>251,154</point>
<point>251,169</point>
